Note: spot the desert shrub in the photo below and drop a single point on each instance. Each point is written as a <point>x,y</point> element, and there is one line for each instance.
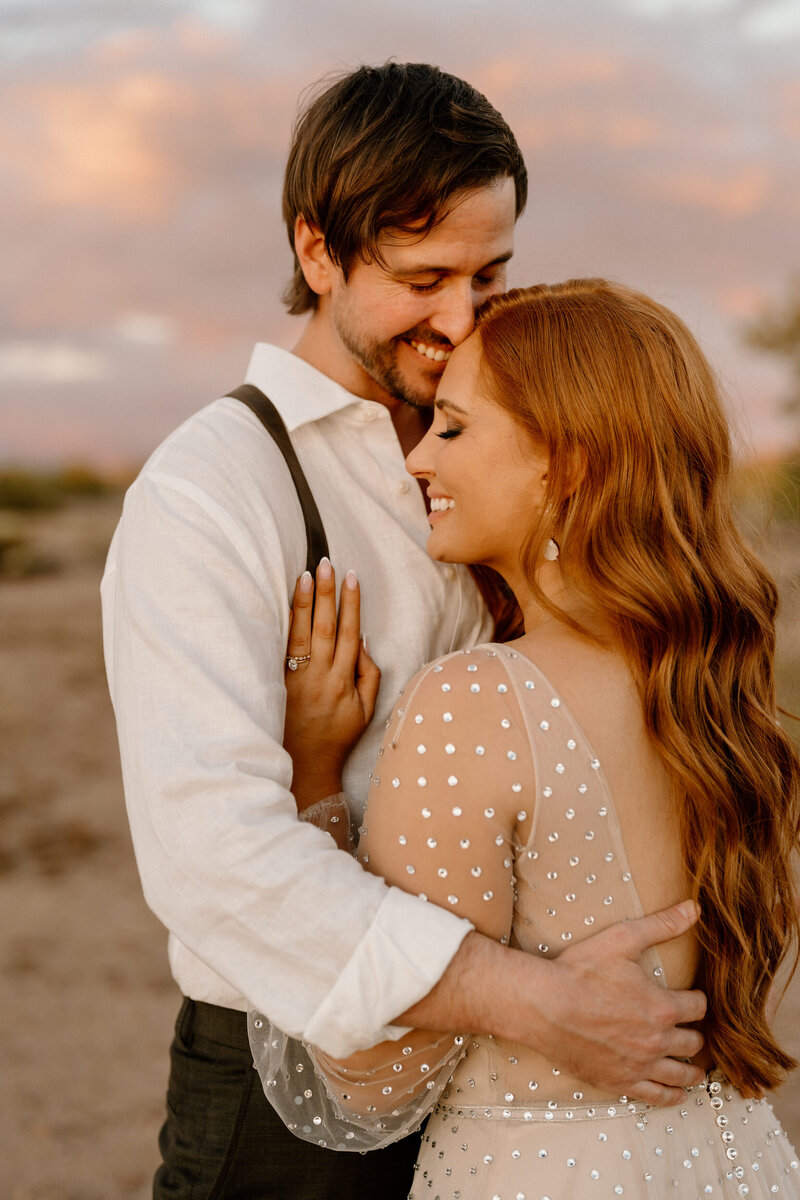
<point>767,492</point>
<point>786,490</point>
<point>21,488</point>
<point>29,489</point>
<point>78,479</point>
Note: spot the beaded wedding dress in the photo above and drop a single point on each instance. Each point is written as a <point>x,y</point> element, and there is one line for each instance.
<point>490,800</point>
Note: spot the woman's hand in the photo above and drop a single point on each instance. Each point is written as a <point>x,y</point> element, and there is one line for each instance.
<point>330,697</point>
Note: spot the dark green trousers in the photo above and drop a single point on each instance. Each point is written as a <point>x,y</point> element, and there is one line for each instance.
<point>222,1140</point>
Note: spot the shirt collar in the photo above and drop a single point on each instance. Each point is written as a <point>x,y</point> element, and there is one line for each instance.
<point>299,391</point>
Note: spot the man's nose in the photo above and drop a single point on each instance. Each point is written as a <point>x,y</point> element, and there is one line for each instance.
<point>454,317</point>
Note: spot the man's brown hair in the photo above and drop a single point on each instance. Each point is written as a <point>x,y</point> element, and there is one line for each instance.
<point>390,147</point>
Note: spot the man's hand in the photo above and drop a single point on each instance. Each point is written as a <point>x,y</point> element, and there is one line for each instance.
<point>614,1027</point>
<point>593,1011</point>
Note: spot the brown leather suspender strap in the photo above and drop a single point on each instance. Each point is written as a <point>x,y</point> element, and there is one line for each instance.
<point>270,418</point>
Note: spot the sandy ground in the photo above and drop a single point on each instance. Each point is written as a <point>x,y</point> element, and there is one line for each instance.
<point>86,998</point>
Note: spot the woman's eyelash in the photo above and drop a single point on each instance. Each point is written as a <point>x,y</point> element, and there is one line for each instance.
<point>450,433</point>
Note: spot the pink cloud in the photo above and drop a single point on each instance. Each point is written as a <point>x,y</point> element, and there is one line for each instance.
<point>142,175</point>
<point>88,146</point>
<point>789,116</point>
<point>590,125</point>
<point>732,194</point>
<point>535,69</point>
<point>741,301</point>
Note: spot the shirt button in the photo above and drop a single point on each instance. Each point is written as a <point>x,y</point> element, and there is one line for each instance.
<point>451,573</point>
<point>369,412</point>
<point>402,487</point>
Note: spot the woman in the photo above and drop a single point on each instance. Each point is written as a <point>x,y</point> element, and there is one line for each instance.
<point>622,753</point>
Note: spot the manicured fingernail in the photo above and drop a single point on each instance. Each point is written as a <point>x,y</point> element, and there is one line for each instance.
<point>364,641</point>
<point>325,569</point>
<point>351,579</point>
<point>306,582</point>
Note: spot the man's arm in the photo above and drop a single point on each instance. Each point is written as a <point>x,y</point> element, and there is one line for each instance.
<point>592,1010</point>
<point>196,617</point>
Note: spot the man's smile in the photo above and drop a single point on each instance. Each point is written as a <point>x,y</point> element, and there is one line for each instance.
<point>435,353</point>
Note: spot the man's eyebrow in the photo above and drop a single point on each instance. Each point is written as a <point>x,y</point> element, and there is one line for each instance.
<point>442,404</point>
<point>434,269</point>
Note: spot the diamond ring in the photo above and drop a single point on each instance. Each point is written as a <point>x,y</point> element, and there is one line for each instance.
<point>293,660</point>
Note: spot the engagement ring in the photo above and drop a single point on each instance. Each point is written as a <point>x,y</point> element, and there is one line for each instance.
<point>293,660</point>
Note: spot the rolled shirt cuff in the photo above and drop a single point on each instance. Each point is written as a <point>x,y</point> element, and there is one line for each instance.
<point>405,952</point>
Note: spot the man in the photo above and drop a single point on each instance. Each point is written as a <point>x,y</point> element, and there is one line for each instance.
<point>402,190</point>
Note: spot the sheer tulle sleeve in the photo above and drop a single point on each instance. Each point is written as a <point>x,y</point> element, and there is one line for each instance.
<point>333,815</point>
<point>449,808</point>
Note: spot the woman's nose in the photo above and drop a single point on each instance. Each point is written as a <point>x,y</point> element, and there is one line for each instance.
<point>419,462</point>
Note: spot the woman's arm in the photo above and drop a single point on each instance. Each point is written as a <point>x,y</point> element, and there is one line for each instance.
<point>448,837</point>
<point>451,803</point>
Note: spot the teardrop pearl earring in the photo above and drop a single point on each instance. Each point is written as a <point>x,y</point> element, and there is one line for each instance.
<point>551,550</point>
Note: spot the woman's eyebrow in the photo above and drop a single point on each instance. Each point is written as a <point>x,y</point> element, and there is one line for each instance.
<point>449,404</point>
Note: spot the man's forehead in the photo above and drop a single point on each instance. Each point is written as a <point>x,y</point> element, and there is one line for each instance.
<point>476,218</point>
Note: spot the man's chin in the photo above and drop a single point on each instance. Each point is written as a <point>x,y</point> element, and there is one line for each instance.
<point>408,379</point>
<point>419,392</point>
<point>422,393</point>
<point>418,401</point>
<point>412,395</point>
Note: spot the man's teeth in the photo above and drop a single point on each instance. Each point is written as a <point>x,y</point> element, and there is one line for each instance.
<point>441,503</point>
<point>437,354</point>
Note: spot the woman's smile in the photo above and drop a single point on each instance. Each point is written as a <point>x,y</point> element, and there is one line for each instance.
<point>471,445</point>
<point>441,505</point>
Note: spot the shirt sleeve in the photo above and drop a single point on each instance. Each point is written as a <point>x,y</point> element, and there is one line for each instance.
<point>195,626</point>
<point>450,808</point>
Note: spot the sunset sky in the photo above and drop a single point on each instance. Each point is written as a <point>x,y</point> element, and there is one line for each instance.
<point>142,147</point>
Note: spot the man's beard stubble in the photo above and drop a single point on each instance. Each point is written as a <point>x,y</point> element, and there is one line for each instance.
<point>379,360</point>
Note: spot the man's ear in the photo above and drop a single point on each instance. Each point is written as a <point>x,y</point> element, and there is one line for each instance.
<point>309,246</point>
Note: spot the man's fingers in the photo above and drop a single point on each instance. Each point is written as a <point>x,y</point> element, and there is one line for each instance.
<point>661,926</point>
<point>323,630</point>
<point>685,1043</point>
<point>668,1082</point>
<point>300,627</point>
<point>348,636</point>
<point>689,1007</point>
<point>654,1093</point>
<point>670,1072</point>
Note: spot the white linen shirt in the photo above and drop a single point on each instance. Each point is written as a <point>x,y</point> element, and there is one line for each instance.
<point>262,910</point>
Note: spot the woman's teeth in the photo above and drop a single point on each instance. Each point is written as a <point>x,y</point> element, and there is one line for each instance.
<point>432,352</point>
<point>441,503</point>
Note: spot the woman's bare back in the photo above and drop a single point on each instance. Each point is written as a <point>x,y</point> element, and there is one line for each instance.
<point>597,687</point>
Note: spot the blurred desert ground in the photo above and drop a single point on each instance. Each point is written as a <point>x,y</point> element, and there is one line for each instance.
<point>87,999</point>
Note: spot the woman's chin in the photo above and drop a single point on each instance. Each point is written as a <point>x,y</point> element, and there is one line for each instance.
<point>442,553</point>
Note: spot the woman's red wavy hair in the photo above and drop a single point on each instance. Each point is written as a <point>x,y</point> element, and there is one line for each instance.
<point>604,375</point>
